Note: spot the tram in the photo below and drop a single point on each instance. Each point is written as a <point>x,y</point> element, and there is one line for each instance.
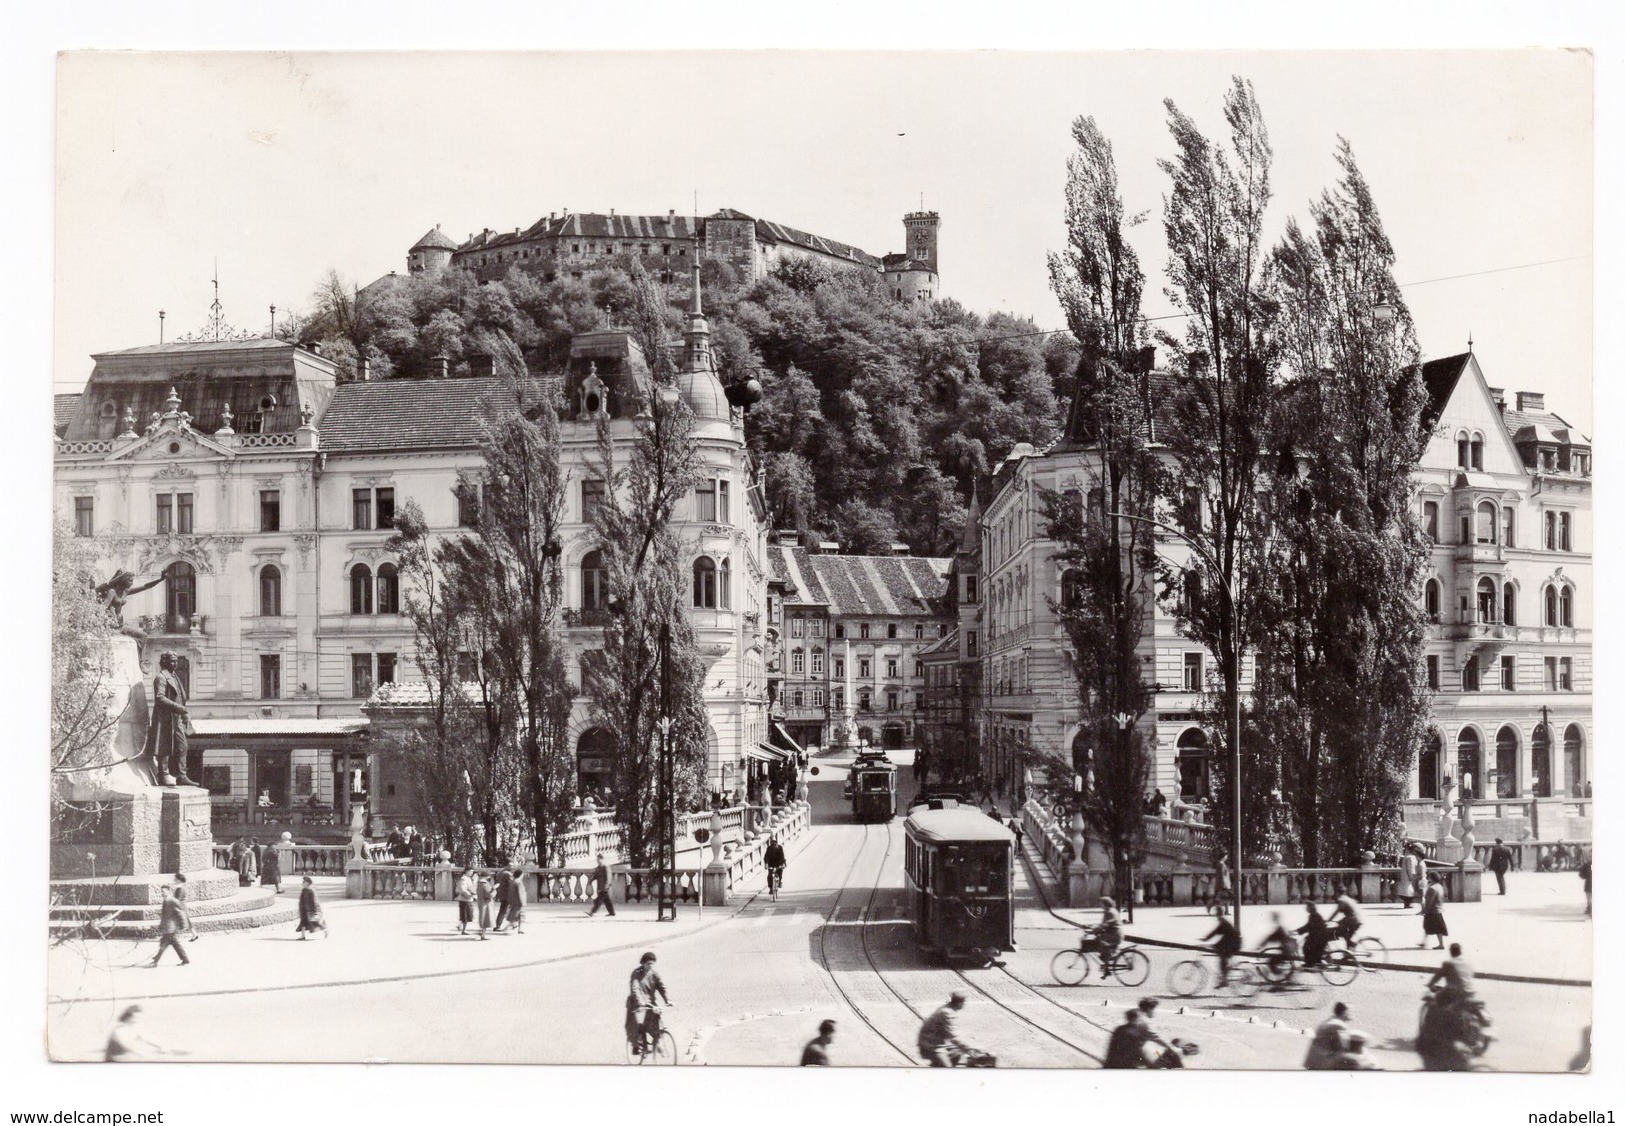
<point>873,789</point>
<point>958,863</point>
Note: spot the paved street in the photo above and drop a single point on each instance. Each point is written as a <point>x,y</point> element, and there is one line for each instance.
<point>753,980</point>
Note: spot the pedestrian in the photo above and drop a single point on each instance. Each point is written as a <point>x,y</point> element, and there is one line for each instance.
<point>482,898</point>
<point>600,879</point>
<point>271,868</point>
<point>1410,875</point>
<point>246,867</point>
<point>236,852</point>
<point>172,921</point>
<point>1585,874</point>
<point>816,1053</point>
<point>1015,827</point>
<point>1317,935</point>
<point>1433,912</point>
<point>180,886</point>
<point>395,843</point>
<point>127,1043</point>
<point>310,912</point>
<point>939,1041</point>
<point>465,900</point>
<point>1329,1043</point>
<point>1500,863</point>
<point>502,880</point>
<point>516,901</point>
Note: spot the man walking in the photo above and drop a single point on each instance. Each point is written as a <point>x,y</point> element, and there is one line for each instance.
<point>172,920</point>
<point>503,879</point>
<point>600,878</point>
<point>516,901</point>
<point>483,894</point>
<point>816,1053</point>
<point>1500,864</point>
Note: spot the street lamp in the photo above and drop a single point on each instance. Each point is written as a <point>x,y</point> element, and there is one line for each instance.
<point>1228,588</point>
<point>1125,720</point>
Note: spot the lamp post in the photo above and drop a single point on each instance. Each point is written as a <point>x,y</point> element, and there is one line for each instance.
<point>1233,622</point>
<point>1125,720</point>
<point>667,882</point>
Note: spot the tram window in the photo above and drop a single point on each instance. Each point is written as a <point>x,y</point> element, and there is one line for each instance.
<point>977,874</point>
<point>874,783</point>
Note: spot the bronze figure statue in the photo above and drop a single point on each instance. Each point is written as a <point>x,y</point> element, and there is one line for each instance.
<point>115,592</point>
<point>169,727</point>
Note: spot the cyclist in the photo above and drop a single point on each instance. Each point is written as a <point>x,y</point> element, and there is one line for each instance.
<point>1228,943</point>
<point>1285,944</point>
<point>1456,977</point>
<point>1317,936</point>
<point>642,990</point>
<point>127,1043</point>
<point>1347,920</point>
<point>938,1040</point>
<point>1106,936</point>
<point>774,859</point>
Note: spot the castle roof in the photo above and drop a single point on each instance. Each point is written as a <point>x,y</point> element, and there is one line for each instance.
<point>415,414</point>
<point>769,231</point>
<point>66,407</point>
<point>873,585</point>
<point>434,240</point>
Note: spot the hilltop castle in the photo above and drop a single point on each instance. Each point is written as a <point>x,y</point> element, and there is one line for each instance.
<point>569,244</point>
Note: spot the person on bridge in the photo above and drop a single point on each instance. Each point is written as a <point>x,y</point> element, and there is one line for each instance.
<point>500,888</point>
<point>310,911</point>
<point>939,1042</point>
<point>816,1053</point>
<point>1105,937</point>
<point>1228,943</point>
<point>1347,917</point>
<point>465,900</point>
<point>643,989</point>
<point>600,879</point>
<point>1500,863</point>
<point>773,859</point>
<point>482,897</point>
<point>1317,935</point>
<point>516,901</point>
<point>1585,874</point>
<point>1433,913</point>
<point>1330,1041</point>
<point>1454,977</point>
<point>1411,868</point>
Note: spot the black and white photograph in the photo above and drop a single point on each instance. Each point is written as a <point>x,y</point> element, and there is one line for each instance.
<point>1025,560</point>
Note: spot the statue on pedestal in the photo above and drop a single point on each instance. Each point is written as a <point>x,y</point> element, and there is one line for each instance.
<point>169,727</point>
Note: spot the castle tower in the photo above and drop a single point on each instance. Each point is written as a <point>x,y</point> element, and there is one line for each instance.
<point>920,231</point>
<point>430,254</point>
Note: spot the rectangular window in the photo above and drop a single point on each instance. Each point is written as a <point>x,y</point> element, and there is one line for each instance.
<point>592,495</point>
<point>1430,520</point>
<point>1509,674</point>
<point>1193,672</point>
<point>797,699</point>
<point>970,589</point>
<point>183,514</point>
<point>798,626</point>
<point>1551,531</point>
<point>705,502</point>
<point>798,661</point>
<point>891,629</point>
<point>816,627</point>
<point>1507,527</point>
<point>386,668</point>
<point>1565,674</point>
<point>891,668</point>
<point>863,668</point>
<point>817,697</point>
<point>919,631</point>
<point>863,630</point>
<point>1551,674</point>
<point>919,669</point>
<point>891,701</point>
<point>970,643</point>
<point>1469,675</point>
<point>270,677</point>
<point>361,510</point>
<point>837,699</point>
<point>722,502</point>
<point>1433,673</point>
<point>468,670</point>
<point>270,510</point>
<point>468,505</point>
<point>84,516</point>
<point>818,662</point>
<point>386,508</point>
<point>361,675</point>
<point>840,668</point>
<point>166,514</point>
<point>840,629</point>
<point>1563,543</point>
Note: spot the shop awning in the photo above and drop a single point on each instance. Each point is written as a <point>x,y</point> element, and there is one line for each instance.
<point>313,731</point>
<point>764,753</point>
<point>785,735</point>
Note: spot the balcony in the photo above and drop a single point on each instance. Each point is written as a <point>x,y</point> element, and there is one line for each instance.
<point>174,624</point>
<point>1478,553</point>
<point>594,618</point>
<point>1481,628</point>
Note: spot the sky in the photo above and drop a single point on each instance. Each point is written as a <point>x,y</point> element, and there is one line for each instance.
<point>279,167</point>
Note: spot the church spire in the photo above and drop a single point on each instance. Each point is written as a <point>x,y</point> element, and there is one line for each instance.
<point>697,337</point>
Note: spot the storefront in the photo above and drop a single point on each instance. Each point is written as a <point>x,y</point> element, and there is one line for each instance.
<point>269,776</point>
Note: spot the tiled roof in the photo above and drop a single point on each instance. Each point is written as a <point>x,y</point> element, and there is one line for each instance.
<point>948,644</point>
<point>66,407</point>
<point>1439,377</point>
<point>1560,428</point>
<point>1163,389</point>
<point>434,240</point>
<point>181,349</point>
<point>769,231</point>
<point>396,414</point>
<point>873,585</point>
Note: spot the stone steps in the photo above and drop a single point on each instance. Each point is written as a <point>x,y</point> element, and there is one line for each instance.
<point>247,908</point>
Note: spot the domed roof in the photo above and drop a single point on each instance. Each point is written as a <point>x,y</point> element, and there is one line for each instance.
<point>434,240</point>
<point>702,391</point>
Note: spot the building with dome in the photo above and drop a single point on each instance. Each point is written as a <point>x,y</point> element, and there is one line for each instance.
<point>265,491</point>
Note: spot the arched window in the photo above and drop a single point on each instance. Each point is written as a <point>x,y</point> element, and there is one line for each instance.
<point>1486,522</point>
<point>389,589</point>
<point>1430,599</point>
<point>725,585</point>
<point>1071,589</point>
<point>1486,600</point>
<point>1574,765</point>
<point>270,592</point>
<point>1540,760</point>
<point>1190,592</point>
<point>1478,451</point>
<point>1551,605</point>
<point>594,582</point>
<point>180,597</point>
<point>1467,762</point>
<point>705,583</point>
<point>360,589</point>
<point>1506,762</point>
<point>1509,604</point>
<point>1427,767</point>
<point>1193,760</point>
<point>1565,606</point>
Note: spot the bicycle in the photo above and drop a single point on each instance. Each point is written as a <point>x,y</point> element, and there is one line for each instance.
<point>661,1044</point>
<point>1368,949</point>
<point>1336,967</point>
<point>1129,966</point>
<point>775,880</point>
<point>1190,977</point>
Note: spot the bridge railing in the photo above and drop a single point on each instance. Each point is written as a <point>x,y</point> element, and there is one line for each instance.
<point>307,860</point>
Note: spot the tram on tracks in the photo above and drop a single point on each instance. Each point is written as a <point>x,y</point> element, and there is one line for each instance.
<point>959,865</point>
<point>872,786</point>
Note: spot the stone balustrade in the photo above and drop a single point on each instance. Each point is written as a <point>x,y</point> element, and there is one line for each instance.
<point>1283,886</point>
<point>307,860</point>
<point>1049,838</point>
<point>1527,856</point>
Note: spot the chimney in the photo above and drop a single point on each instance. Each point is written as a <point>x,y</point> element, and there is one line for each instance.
<point>1531,400</point>
<point>789,537</point>
<point>366,369</point>
<point>899,549</point>
<point>482,365</point>
<point>1197,363</point>
<point>442,367</point>
<point>1498,396</point>
<point>612,213</point>
<point>314,347</point>
<point>828,547</point>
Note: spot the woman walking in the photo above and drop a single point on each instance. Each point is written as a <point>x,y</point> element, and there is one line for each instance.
<point>465,900</point>
<point>271,868</point>
<point>516,901</point>
<point>1433,913</point>
<point>1410,875</point>
<point>246,867</point>
<point>310,912</point>
<point>483,895</point>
